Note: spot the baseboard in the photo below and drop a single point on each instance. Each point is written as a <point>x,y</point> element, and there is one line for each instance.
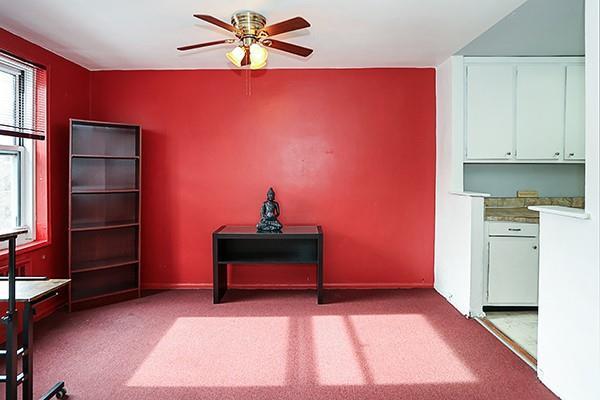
<point>169,286</point>
<point>387,285</point>
<point>510,308</point>
<point>451,299</point>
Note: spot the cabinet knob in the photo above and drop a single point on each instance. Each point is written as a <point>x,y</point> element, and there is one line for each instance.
<point>571,154</point>
<point>535,247</point>
<point>509,153</point>
<point>557,154</point>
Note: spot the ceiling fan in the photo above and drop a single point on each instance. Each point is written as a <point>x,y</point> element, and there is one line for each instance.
<point>253,37</point>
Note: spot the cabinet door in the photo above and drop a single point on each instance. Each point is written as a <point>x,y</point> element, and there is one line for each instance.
<point>490,112</point>
<point>575,113</point>
<point>513,271</point>
<point>540,112</point>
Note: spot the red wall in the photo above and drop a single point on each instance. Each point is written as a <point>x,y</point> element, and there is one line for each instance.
<point>67,97</point>
<point>352,150</point>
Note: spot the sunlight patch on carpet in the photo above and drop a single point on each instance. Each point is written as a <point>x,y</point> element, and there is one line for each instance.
<point>407,349</point>
<point>384,350</point>
<point>218,352</point>
<point>336,358</point>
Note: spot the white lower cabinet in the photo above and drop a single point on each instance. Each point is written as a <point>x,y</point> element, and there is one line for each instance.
<point>512,273</point>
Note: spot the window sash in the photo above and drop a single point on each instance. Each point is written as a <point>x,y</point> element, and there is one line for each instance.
<point>24,200</point>
<point>29,116</point>
<point>9,116</point>
<point>18,145</point>
<point>14,156</point>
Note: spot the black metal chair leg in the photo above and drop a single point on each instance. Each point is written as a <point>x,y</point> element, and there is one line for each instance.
<point>57,390</point>
<point>11,321</point>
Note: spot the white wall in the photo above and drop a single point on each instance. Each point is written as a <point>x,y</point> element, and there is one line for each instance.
<point>503,180</point>
<point>458,250</point>
<point>537,28</point>
<point>569,331</point>
<point>459,218</point>
<point>569,302</point>
<point>592,140</point>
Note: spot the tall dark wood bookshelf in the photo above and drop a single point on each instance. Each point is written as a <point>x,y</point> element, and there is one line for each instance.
<point>104,212</point>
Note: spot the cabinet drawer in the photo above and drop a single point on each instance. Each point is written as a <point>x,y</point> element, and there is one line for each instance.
<point>512,229</point>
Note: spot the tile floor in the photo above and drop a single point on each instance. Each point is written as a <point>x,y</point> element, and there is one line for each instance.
<point>520,326</point>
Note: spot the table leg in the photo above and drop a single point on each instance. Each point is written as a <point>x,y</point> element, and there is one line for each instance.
<point>320,271</point>
<point>222,279</point>
<point>216,294</point>
<point>28,354</point>
<point>219,281</point>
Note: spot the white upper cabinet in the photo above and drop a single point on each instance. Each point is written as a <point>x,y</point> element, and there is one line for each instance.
<point>490,111</point>
<point>575,113</point>
<point>540,111</point>
<point>524,109</point>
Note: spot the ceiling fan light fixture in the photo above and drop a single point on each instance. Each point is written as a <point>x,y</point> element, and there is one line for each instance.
<point>236,56</point>
<point>258,56</point>
<point>253,36</point>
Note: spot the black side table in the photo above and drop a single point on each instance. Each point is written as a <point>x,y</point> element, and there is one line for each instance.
<point>237,244</point>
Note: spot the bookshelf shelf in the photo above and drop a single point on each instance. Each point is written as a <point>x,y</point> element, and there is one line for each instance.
<point>104,156</point>
<point>95,227</point>
<point>100,190</point>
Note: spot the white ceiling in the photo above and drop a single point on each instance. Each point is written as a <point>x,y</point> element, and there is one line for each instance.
<point>143,34</point>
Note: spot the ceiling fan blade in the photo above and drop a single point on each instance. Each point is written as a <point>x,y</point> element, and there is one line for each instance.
<point>286,26</point>
<point>290,48</point>
<point>196,46</point>
<point>216,21</point>
<point>246,59</point>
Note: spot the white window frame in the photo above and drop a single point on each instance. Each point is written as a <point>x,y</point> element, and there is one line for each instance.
<point>25,150</point>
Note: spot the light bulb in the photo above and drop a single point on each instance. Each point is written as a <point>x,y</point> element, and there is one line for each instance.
<point>236,56</point>
<point>258,56</point>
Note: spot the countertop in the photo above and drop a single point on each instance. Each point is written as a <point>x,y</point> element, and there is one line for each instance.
<point>570,212</point>
<point>517,214</point>
<point>514,209</point>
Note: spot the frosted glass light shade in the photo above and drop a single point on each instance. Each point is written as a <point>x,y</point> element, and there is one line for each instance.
<point>258,56</point>
<point>236,56</point>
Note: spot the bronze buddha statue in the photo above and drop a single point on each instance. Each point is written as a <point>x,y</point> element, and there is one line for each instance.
<point>268,214</point>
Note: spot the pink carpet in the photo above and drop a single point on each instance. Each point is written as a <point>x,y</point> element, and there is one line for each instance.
<point>372,344</point>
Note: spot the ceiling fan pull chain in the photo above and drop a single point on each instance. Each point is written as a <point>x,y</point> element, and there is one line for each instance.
<point>248,84</point>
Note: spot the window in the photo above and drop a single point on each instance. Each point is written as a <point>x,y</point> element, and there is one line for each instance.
<point>17,151</point>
